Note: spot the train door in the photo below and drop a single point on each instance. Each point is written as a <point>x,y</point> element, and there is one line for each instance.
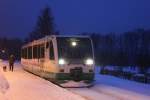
<point>51,53</point>
<point>52,66</point>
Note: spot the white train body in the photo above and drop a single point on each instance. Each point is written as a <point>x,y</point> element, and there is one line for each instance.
<point>60,58</point>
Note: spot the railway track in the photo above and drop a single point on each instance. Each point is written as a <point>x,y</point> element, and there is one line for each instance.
<point>93,94</point>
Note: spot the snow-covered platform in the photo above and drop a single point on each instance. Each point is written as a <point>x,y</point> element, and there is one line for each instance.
<point>21,85</point>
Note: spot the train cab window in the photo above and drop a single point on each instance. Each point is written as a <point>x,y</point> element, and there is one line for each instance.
<point>51,51</point>
<point>30,53</point>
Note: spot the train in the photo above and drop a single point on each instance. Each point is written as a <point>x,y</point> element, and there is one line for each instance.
<point>60,58</point>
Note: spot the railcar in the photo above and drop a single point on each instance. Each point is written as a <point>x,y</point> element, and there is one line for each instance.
<point>60,58</point>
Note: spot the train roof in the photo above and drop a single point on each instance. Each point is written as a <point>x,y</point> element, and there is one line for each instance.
<point>83,36</point>
<point>42,40</point>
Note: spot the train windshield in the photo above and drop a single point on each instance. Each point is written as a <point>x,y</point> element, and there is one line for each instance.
<point>74,48</point>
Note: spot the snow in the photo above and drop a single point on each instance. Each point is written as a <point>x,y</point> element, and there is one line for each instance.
<point>26,86</point>
<point>74,84</point>
<point>122,89</point>
<point>112,88</point>
<point>130,69</point>
<point>4,86</point>
<point>148,71</point>
<point>21,85</point>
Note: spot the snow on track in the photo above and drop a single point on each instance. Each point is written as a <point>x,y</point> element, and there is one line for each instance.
<point>26,86</point>
<point>112,88</point>
<point>90,94</point>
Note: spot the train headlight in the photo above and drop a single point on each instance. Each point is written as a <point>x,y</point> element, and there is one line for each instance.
<point>89,62</point>
<point>61,62</point>
<point>74,44</point>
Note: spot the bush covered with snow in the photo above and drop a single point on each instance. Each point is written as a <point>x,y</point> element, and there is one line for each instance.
<point>126,72</point>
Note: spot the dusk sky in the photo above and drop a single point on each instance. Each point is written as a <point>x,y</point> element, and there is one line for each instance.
<point>18,17</point>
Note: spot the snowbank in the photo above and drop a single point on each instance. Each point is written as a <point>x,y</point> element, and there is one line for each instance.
<point>4,86</point>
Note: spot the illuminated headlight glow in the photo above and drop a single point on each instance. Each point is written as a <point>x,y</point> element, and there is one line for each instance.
<point>61,61</point>
<point>74,43</point>
<point>89,61</point>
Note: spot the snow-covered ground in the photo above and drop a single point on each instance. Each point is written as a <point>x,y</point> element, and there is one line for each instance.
<point>4,86</point>
<point>130,69</point>
<point>21,85</point>
<point>112,88</point>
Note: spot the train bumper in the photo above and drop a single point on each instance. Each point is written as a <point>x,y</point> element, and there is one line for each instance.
<point>68,76</point>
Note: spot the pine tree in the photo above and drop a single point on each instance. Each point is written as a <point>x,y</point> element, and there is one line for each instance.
<point>44,26</point>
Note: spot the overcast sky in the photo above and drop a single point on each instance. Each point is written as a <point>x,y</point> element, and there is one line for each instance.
<point>18,17</point>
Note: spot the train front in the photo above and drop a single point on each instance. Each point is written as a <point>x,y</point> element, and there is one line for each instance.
<point>75,61</point>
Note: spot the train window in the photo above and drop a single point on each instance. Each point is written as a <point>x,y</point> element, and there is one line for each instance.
<point>38,51</point>
<point>35,51</point>
<point>51,51</point>
<point>42,51</point>
<point>22,53</point>
<point>25,53</point>
<point>74,48</point>
<point>47,45</point>
<point>30,53</point>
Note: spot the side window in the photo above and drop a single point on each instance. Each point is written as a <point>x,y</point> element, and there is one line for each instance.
<point>22,53</point>
<point>30,53</point>
<point>38,51</point>
<point>25,53</point>
<point>51,51</point>
<point>42,53</point>
<point>35,51</point>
